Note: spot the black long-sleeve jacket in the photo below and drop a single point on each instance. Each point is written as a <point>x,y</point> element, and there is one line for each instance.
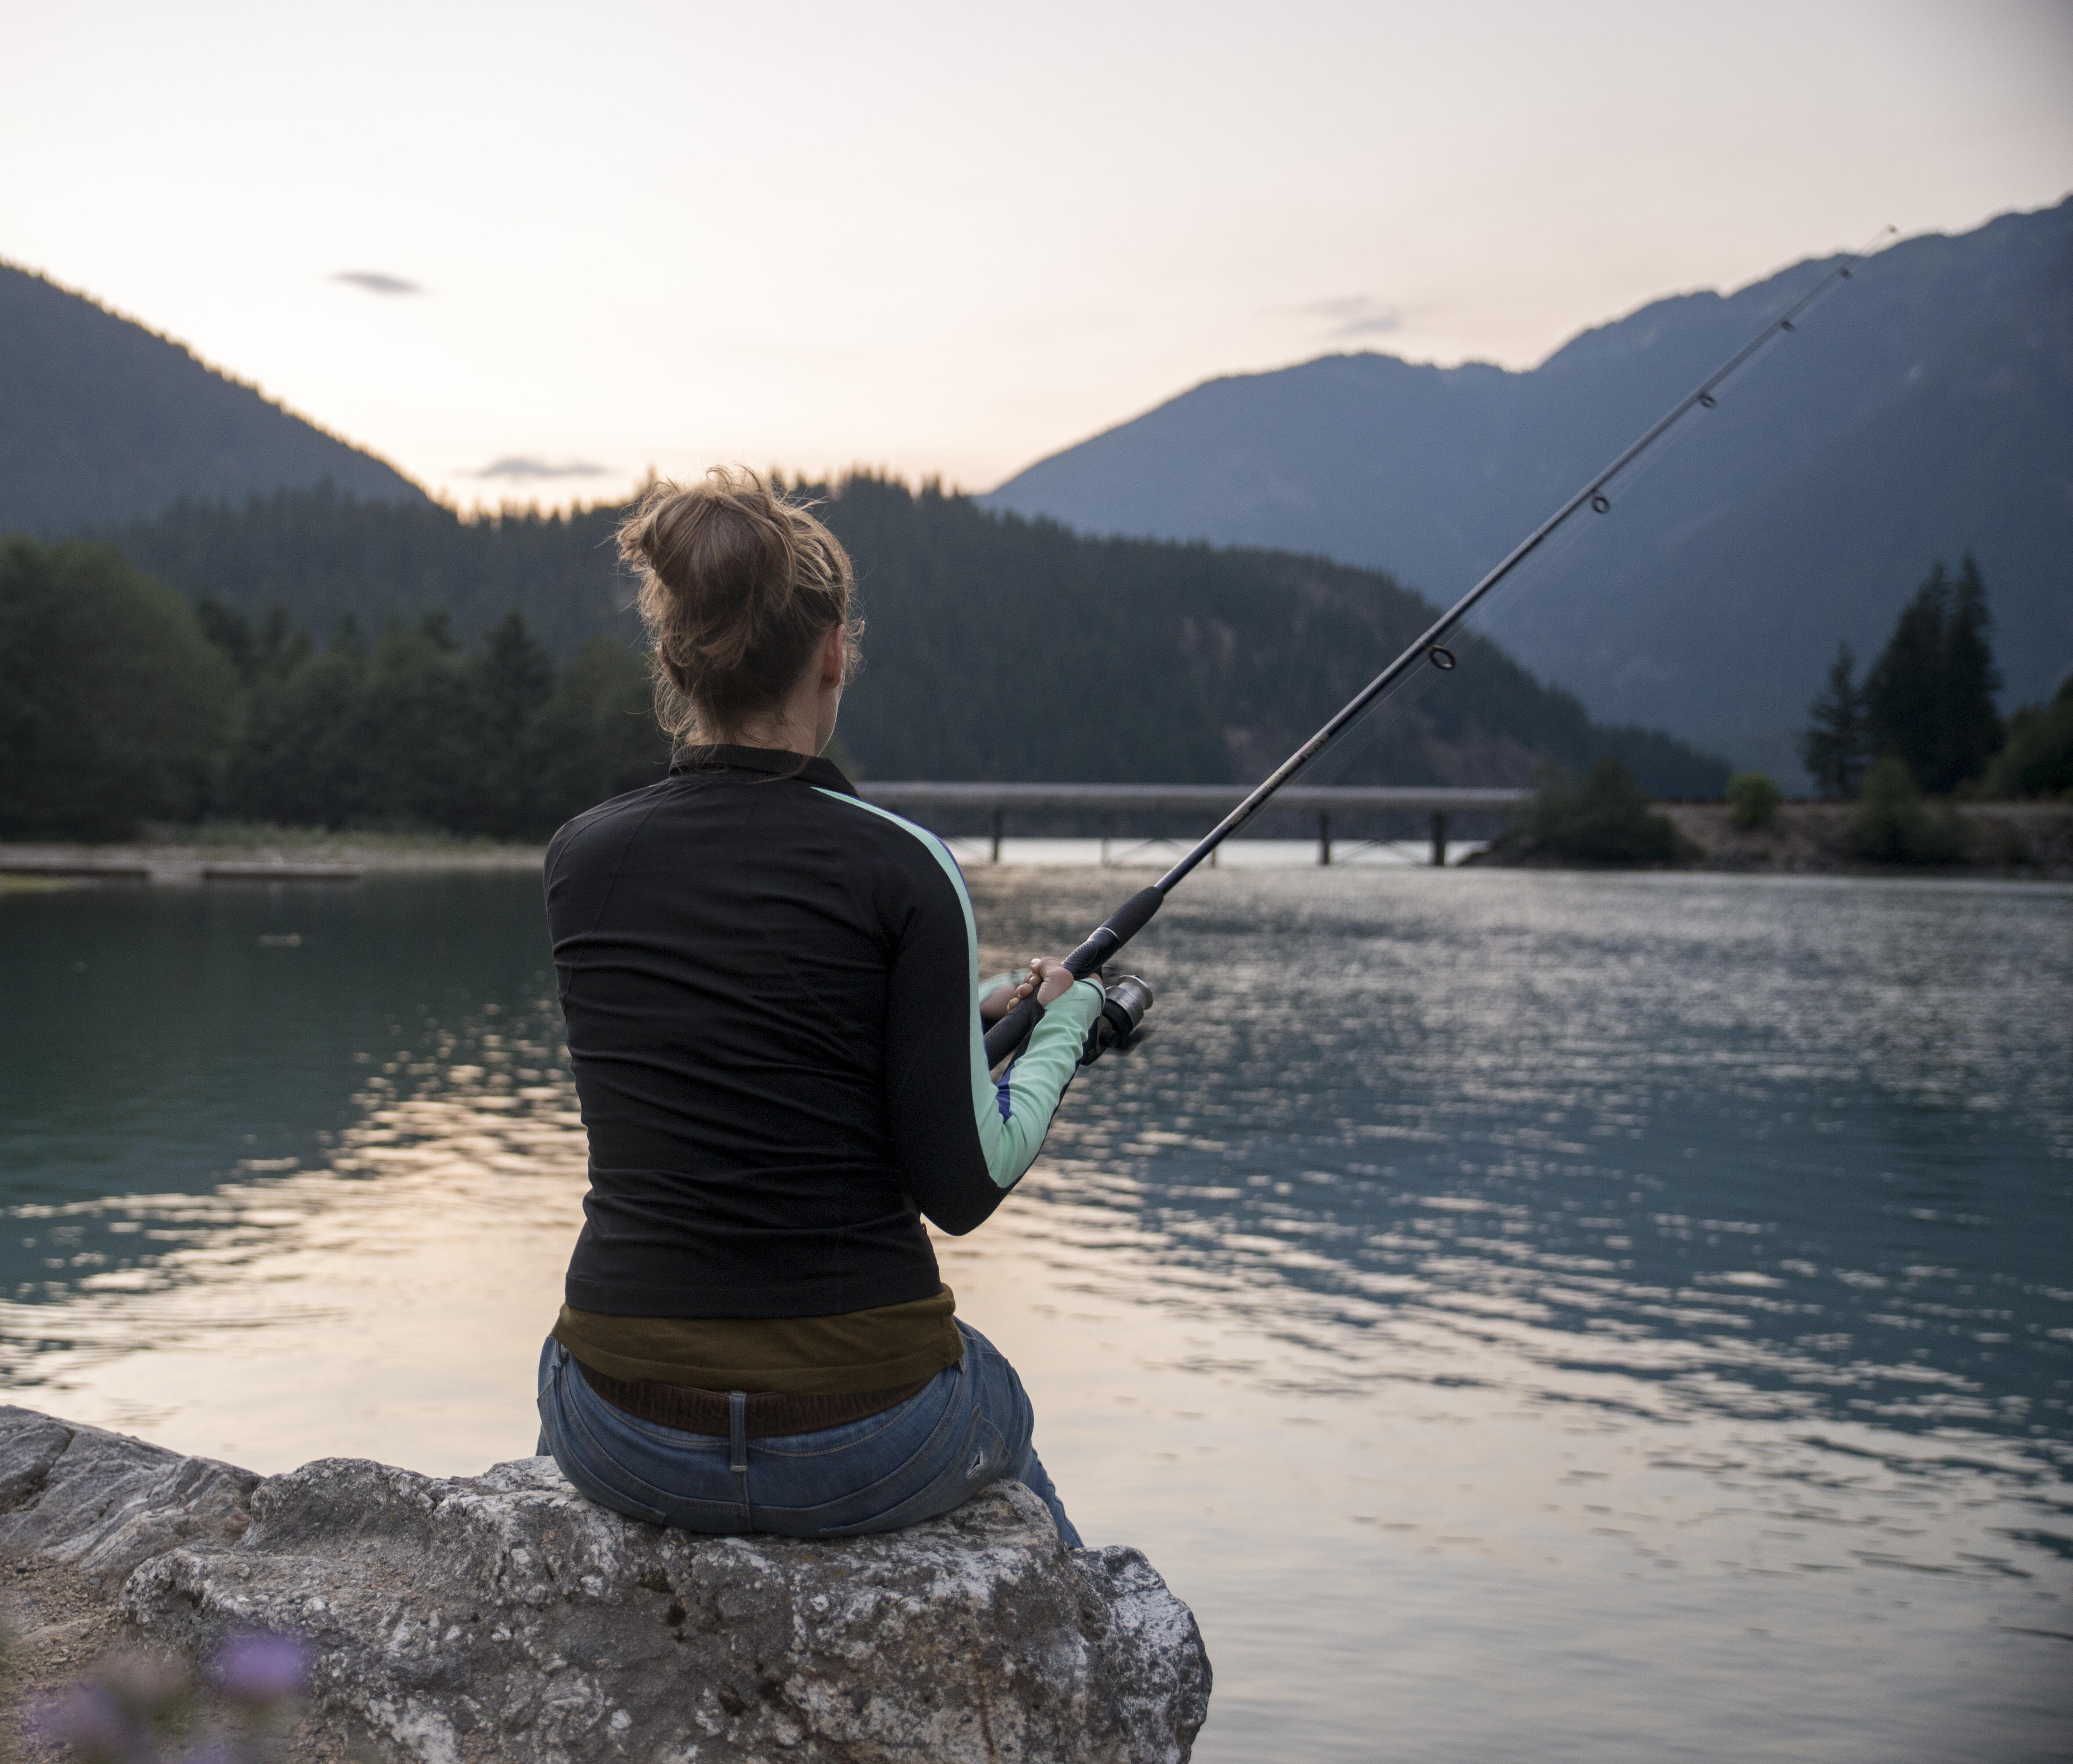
<point>771,991</point>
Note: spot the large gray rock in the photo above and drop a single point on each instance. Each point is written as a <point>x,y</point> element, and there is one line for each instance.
<point>505,1616</point>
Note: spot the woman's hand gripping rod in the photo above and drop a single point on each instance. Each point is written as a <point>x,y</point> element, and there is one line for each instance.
<point>1007,1036</point>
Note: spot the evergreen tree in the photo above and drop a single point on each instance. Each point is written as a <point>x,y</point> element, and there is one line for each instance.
<point>601,738</point>
<point>419,736</point>
<point>514,684</point>
<point>231,632</point>
<point>1904,691</point>
<point>300,763</point>
<point>1929,699</point>
<point>114,706</point>
<point>1972,728</point>
<point>1834,746</point>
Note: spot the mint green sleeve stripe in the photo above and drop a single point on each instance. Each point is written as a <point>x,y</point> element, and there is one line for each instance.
<point>1037,1081</point>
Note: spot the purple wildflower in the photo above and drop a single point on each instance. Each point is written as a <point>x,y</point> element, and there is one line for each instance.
<point>262,1669</point>
<point>91,1718</point>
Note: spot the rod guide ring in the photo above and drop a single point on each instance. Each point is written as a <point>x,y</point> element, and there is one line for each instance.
<point>1600,503</point>
<point>1441,657</point>
<point>1707,401</point>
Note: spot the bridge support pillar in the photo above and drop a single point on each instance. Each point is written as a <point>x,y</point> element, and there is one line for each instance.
<point>1439,842</point>
<point>999,820</point>
<point>1325,839</point>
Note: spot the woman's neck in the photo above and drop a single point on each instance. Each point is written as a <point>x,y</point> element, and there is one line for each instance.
<point>781,734</point>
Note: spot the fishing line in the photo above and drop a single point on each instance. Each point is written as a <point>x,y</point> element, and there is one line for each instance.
<point>1430,649</point>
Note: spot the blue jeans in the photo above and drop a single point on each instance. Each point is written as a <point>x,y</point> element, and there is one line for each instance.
<point>970,1425</point>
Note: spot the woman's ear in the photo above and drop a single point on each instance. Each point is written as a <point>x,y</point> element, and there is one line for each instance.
<point>833,656</point>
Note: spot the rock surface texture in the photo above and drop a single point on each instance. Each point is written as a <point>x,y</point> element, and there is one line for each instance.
<point>504,1617</point>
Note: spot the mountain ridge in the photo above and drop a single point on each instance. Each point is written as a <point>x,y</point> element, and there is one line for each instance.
<point>105,421</point>
<point>1941,351</point>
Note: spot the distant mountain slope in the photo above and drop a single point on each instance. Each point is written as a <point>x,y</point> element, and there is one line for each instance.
<point>1925,410</point>
<point>103,423</point>
<point>998,648</point>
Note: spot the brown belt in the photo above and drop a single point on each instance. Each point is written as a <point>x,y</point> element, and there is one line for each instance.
<point>691,1409</point>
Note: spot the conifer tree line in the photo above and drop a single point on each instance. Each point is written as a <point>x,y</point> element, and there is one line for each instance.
<point>121,702</point>
<point>1924,712</point>
<point>319,661</point>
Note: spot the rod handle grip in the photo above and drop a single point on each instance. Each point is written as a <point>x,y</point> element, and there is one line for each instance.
<point>1117,929</point>
<point>1007,1036</point>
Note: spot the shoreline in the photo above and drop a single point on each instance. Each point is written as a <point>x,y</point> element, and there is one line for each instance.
<point>2010,842</point>
<point>275,855</point>
<point>2022,841</point>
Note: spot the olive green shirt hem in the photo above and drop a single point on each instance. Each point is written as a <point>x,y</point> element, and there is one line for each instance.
<point>859,1351</point>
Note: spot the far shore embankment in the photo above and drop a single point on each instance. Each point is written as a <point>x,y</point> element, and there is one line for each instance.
<point>204,854</point>
<point>2015,841</point>
<point>2021,840</point>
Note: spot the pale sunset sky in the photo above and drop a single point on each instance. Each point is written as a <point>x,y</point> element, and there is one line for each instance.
<point>950,239</point>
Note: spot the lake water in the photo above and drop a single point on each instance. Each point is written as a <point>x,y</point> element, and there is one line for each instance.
<point>1527,1316</point>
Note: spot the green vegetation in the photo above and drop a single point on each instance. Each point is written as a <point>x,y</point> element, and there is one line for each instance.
<point>1753,799</point>
<point>1604,820</point>
<point>998,648</point>
<point>1925,714</point>
<point>413,732</point>
<point>2038,758</point>
<point>114,707</point>
<point>1894,825</point>
<point>1833,746</point>
<point>120,703</point>
<point>349,664</point>
<point>1928,700</point>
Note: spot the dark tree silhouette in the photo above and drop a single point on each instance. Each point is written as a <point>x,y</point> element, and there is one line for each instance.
<point>1834,748</point>
<point>1972,728</point>
<point>2037,760</point>
<point>1929,697</point>
<point>114,707</point>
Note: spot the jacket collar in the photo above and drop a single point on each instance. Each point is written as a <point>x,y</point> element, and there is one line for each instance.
<point>772,762</point>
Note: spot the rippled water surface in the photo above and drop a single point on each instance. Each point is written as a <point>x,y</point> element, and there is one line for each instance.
<point>1530,1317</point>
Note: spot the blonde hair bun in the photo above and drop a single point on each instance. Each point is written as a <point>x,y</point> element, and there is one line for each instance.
<point>738,586</point>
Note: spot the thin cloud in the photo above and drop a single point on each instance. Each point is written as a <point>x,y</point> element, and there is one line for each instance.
<point>374,281</point>
<point>519,466</point>
<point>1357,316</point>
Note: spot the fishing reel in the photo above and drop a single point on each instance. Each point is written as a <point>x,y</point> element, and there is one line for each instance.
<point>1121,1025</point>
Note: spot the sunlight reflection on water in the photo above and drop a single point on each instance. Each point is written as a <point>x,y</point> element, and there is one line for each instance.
<point>1527,1316</point>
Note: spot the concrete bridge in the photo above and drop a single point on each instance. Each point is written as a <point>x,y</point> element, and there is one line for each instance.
<point>1209,801</point>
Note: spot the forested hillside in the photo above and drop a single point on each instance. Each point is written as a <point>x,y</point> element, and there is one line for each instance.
<point>1924,410</point>
<point>122,702</point>
<point>997,647</point>
<point>103,421</point>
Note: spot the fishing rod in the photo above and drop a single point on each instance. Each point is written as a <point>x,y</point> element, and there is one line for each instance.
<point>1123,1015</point>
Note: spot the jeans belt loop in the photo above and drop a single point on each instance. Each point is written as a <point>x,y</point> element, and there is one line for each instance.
<point>737,1451</point>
